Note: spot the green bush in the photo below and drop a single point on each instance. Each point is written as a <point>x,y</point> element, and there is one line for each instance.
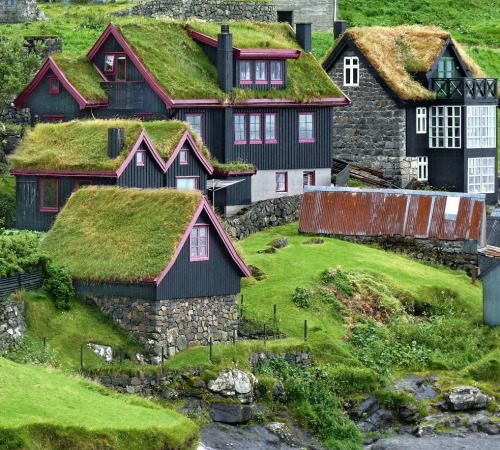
<point>58,284</point>
<point>345,380</point>
<point>19,251</point>
<point>339,279</point>
<point>27,351</point>
<point>301,297</point>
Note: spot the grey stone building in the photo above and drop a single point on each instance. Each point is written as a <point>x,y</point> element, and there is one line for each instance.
<point>17,11</point>
<point>421,109</point>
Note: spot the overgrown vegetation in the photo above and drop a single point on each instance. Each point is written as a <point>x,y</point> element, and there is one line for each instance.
<point>19,252</point>
<point>57,282</point>
<point>7,197</point>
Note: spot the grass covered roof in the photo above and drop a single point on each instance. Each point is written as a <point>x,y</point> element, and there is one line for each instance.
<point>83,145</point>
<point>110,233</point>
<point>397,53</point>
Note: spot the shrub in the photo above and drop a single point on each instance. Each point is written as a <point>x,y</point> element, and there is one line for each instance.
<point>349,380</point>
<point>19,251</point>
<point>301,297</point>
<point>58,284</point>
<point>339,279</point>
<point>27,351</point>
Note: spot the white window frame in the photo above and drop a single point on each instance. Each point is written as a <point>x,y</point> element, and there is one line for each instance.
<point>351,71</point>
<point>481,126</point>
<point>423,168</point>
<point>445,127</point>
<point>421,120</point>
<point>195,121</point>
<point>481,175</point>
<point>270,136</point>
<point>255,128</point>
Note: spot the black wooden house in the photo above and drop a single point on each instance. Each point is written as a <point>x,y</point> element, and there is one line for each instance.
<point>54,160</point>
<point>421,109</point>
<point>156,260</point>
<point>262,100</point>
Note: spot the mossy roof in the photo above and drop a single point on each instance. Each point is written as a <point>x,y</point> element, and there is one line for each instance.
<point>397,53</point>
<point>82,75</point>
<point>82,145</point>
<point>116,234</point>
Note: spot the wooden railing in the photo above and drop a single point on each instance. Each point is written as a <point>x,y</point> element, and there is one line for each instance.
<point>465,88</point>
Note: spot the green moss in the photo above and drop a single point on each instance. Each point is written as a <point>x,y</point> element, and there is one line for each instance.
<point>99,235</point>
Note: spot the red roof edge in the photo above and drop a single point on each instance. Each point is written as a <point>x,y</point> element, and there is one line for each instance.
<point>64,173</point>
<point>224,173</point>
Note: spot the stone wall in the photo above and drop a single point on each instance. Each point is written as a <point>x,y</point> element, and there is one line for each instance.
<point>12,322</point>
<point>371,131</point>
<point>262,215</point>
<point>9,140</point>
<point>446,253</point>
<point>171,324</point>
<point>10,114</point>
<point>300,359</point>
<point>20,11</point>
<point>209,10</point>
<point>50,44</point>
<point>317,12</point>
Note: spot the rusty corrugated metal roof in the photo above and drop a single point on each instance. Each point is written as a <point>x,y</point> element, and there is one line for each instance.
<point>389,212</point>
<point>490,251</point>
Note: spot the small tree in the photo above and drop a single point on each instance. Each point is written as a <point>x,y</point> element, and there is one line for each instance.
<point>16,66</point>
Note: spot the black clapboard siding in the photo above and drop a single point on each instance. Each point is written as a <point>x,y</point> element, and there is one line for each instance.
<point>148,176</point>
<point>146,291</point>
<point>236,194</point>
<point>193,168</point>
<point>446,168</point>
<point>29,280</point>
<point>217,276</point>
<point>416,144</point>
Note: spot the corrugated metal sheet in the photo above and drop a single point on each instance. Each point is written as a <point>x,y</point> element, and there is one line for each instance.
<point>493,229</point>
<point>385,212</point>
<point>490,251</point>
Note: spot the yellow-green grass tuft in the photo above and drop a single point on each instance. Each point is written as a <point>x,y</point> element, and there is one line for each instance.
<point>110,233</point>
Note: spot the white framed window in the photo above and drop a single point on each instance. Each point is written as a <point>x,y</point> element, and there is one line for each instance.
<point>421,120</point>
<point>451,208</point>
<point>423,168</point>
<point>270,128</point>
<point>445,127</point>
<point>245,72</point>
<point>239,129</point>
<point>189,183</point>
<point>481,175</point>
<point>306,127</point>
<point>481,127</point>
<point>255,129</point>
<point>195,121</point>
<point>109,63</point>
<point>281,182</point>
<point>140,158</point>
<point>351,71</point>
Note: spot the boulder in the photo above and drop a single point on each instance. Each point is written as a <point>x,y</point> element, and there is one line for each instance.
<point>279,243</point>
<point>366,407</point>
<point>463,398</point>
<point>234,382</point>
<point>380,420</point>
<point>231,413</point>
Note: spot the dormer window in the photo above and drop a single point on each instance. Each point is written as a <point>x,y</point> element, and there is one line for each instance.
<point>109,64</point>
<point>276,72</point>
<point>183,157</point>
<point>261,72</point>
<point>245,72</point>
<point>54,86</point>
<point>446,68</point>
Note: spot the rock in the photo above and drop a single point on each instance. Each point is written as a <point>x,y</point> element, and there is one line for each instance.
<point>279,243</point>
<point>279,393</point>
<point>257,273</point>
<point>231,413</point>
<point>366,407</point>
<point>198,383</point>
<point>489,428</point>
<point>282,431</point>
<point>104,351</point>
<point>425,430</point>
<point>463,398</point>
<point>267,250</point>
<point>381,419</point>
<point>313,241</point>
<point>233,382</point>
<point>420,388</point>
<point>409,413</point>
<point>170,394</point>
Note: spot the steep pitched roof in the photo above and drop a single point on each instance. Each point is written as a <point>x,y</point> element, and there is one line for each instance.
<point>115,234</point>
<point>82,145</point>
<point>398,53</point>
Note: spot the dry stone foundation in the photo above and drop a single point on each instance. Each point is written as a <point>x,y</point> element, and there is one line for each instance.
<point>172,325</point>
<point>12,322</point>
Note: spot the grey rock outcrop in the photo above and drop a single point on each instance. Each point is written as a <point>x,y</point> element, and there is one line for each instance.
<point>463,398</point>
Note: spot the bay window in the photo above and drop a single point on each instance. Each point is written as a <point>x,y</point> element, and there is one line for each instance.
<point>481,127</point>
<point>481,175</point>
<point>445,127</point>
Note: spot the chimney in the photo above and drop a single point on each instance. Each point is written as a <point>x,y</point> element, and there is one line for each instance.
<point>225,59</point>
<point>116,140</point>
<point>304,36</point>
<point>339,26</point>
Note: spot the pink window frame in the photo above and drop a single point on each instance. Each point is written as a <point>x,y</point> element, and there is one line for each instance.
<point>205,257</point>
<point>143,162</point>
<point>79,180</point>
<point>281,63</point>
<point>311,173</point>
<point>123,55</point>
<point>307,140</point>
<point>266,74</point>
<point>195,178</point>
<point>53,90</point>
<point>49,208</point>
<point>202,125</point>
<point>255,141</point>
<point>185,152</point>
<point>244,141</point>
<point>285,183</point>
<point>250,81</point>
<point>275,140</point>
<point>113,70</point>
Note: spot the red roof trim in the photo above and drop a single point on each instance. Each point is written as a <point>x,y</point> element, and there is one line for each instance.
<point>196,35</point>
<point>187,137</point>
<point>64,173</point>
<point>202,101</point>
<point>112,30</point>
<point>205,206</point>
<point>262,102</point>
<point>50,64</point>
<point>143,137</point>
<point>234,172</point>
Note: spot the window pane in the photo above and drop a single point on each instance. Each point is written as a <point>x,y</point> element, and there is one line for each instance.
<point>260,71</point>
<point>255,127</point>
<point>239,128</point>
<point>245,71</point>
<point>49,194</point>
<point>109,63</point>
<point>194,121</point>
<point>121,71</point>
<point>186,183</point>
<point>270,127</point>
<point>276,74</point>
<point>306,126</point>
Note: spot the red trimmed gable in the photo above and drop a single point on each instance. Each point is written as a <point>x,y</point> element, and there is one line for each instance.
<point>192,147</point>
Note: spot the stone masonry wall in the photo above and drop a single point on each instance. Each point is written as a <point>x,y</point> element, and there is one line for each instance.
<point>172,324</point>
<point>371,131</point>
<point>21,11</point>
<point>209,10</point>
<point>262,215</point>
<point>12,322</point>
<point>317,12</point>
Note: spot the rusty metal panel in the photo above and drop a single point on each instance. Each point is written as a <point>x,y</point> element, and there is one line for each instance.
<point>463,222</point>
<point>477,220</point>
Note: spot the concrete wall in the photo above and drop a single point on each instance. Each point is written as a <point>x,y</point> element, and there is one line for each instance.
<point>172,324</point>
<point>318,12</point>
<point>372,130</point>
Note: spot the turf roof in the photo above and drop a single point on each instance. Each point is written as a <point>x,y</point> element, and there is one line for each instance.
<point>82,75</point>
<point>82,145</point>
<point>110,233</point>
<point>397,53</point>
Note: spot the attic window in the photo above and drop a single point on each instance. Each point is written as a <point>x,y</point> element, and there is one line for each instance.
<point>199,243</point>
<point>140,158</point>
<point>109,64</point>
<point>183,157</point>
<point>351,71</point>
<point>451,209</point>
<point>446,68</point>
<point>121,68</point>
<point>54,85</point>
<point>276,72</point>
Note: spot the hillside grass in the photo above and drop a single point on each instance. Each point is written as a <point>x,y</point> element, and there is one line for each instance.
<point>42,408</point>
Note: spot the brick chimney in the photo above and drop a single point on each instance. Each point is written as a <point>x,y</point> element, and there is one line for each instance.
<point>116,141</point>
<point>225,59</point>
<point>304,36</point>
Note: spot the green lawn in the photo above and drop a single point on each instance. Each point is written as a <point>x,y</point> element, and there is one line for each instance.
<point>43,408</point>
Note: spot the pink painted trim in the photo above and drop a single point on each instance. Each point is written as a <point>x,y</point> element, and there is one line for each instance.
<point>243,172</point>
<point>262,102</point>
<point>201,101</point>
<point>47,208</point>
<point>205,257</point>
<point>203,38</point>
<point>99,71</point>
<point>143,137</point>
<point>142,161</point>
<point>285,183</point>
<point>205,206</point>
<point>63,173</point>
<point>112,30</point>
<point>187,137</point>
<point>53,117</point>
<point>54,90</point>
<point>266,53</point>
<point>313,177</point>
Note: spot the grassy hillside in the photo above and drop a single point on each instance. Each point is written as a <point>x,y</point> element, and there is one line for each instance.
<point>42,408</point>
